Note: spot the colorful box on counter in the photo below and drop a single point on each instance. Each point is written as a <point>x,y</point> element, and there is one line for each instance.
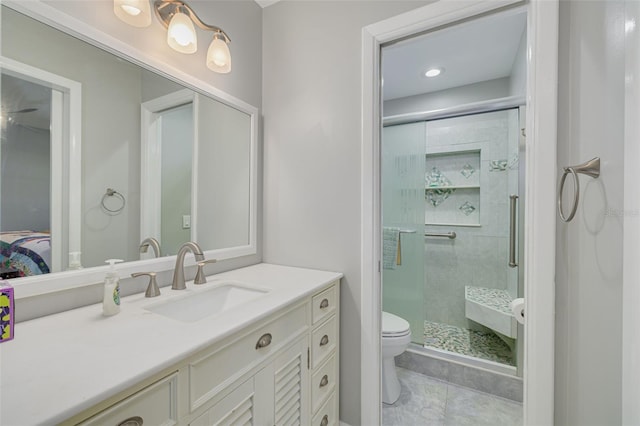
<point>7,312</point>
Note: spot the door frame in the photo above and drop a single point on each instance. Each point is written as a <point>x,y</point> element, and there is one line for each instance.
<point>631,224</point>
<point>66,161</point>
<point>151,154</point>
<point>540,244</point>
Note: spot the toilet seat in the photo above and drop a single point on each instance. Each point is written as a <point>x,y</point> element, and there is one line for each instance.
<point>394,326</point>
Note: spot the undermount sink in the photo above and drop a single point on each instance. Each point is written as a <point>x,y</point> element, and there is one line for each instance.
<point>202,304</point>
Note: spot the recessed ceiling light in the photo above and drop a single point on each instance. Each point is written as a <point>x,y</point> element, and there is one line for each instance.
<point>433,72</point>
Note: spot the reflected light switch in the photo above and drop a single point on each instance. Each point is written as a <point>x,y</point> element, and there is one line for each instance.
<point>186,221</point>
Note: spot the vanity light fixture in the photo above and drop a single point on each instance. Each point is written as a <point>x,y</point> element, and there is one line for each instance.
<point>134,12</point>
<point>179,19</point>
<point>433,72</point>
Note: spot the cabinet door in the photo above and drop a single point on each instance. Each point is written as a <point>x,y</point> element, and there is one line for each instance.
<point>237,408</point>
<point>282,387</point>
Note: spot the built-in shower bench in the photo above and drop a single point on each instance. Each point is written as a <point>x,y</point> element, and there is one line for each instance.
<point>490,307</point>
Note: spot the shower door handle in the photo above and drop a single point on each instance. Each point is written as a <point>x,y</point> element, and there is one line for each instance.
<point>513,199</point>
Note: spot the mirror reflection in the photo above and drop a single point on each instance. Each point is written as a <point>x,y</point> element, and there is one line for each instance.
<point>102,158</point>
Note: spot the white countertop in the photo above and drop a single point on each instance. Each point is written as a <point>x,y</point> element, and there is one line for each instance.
<point>60,365</point>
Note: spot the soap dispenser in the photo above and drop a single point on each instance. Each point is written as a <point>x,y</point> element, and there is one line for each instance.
<point>111,299</point>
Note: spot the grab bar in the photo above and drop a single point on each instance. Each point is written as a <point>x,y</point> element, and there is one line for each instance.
<point>589,168</point>
<point>512,231</point>
<point>449,235</point>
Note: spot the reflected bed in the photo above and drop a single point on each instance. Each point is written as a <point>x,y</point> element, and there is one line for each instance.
<point>24,253</point>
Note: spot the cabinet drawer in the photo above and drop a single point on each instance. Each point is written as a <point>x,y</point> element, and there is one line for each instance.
<point>327,415</point>
<point>215,370</point>
<point>324,341</point>
<point>323,382</point>
<point>154,405</point>
<point>324,304</point>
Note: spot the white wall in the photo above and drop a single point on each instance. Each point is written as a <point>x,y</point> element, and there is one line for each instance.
<point>25,179</point>
<point>223,175</point>
<point>311,106</point>
<point>589,249</point>
<point>177,156</point>
<point>518,77</point>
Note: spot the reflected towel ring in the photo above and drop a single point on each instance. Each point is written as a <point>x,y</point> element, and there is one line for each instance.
<point>110,193</point>
<point>590,168</point>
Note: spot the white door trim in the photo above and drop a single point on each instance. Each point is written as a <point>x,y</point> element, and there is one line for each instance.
<point>151,155</point>
<point>66,158</point>
<point>631,223</point>
<point>539,256</point>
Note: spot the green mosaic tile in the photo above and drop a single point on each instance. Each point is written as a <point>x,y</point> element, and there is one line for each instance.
<point>500,300</point>
<point>463,341</point>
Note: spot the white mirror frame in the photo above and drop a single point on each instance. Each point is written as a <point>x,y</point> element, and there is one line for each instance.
<point>37,285</point>
<point>540,243</point>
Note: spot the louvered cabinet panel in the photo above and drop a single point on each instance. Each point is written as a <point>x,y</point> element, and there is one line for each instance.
<point>282,387</point>
<point>236,409</point>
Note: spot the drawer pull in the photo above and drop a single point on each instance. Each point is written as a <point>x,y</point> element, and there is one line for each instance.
<point>325,381</point>
<point>324,340</point>
<point>132,421</point>
<point>324,304</point>
<point>325,420</point>
<point>264,341</point>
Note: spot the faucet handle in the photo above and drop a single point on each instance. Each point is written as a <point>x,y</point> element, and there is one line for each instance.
<point>152,288</point>
<point>200,277</point>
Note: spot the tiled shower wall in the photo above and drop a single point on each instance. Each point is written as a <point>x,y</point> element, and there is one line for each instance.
<point>479,254</point>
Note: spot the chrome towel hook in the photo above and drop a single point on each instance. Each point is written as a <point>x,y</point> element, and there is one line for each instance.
<point>589,168</point>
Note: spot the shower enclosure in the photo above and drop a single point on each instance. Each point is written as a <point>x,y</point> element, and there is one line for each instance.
<point>452,190</point>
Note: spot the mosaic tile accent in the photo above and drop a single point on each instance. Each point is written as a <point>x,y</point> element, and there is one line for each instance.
<point>494,298</point>
<point>467,208</point>
<point>435,178</point>
<point>467,170</point>
<point>438,196</point>
<point>467,342</point>
<point>498,165</point>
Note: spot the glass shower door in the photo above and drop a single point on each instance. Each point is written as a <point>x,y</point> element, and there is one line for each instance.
<point>403,173</point>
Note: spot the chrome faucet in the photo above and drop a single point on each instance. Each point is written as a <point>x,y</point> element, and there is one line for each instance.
<point>155,245</point>
<point>178,273</point>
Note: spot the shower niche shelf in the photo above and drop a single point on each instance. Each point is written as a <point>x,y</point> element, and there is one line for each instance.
<point>452,188</point>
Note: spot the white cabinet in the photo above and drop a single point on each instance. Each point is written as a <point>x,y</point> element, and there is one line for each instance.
<point>275,395</point>
<point>325,340</point>
<point>282,370</point>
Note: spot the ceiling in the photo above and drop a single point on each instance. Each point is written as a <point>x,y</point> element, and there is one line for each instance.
<point>480,50</point>
<point>24,103</point>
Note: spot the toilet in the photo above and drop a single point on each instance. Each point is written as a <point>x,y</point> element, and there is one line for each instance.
<point>396,336</point>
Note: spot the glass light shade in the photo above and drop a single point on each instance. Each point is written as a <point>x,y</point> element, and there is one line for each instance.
<point>136,13</point>
<point>219,56</point>
<point>181,35</point>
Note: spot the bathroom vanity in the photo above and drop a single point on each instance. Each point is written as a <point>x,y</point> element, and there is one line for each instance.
<point>265,352</point>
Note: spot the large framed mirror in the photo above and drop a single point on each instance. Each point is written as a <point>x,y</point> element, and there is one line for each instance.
<point>101,153</point>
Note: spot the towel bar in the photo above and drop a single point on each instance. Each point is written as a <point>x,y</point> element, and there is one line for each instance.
<point>450,235</point>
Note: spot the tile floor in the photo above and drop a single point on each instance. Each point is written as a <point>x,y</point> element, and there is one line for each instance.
<point>431,402</point>
<point>467,342</point>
